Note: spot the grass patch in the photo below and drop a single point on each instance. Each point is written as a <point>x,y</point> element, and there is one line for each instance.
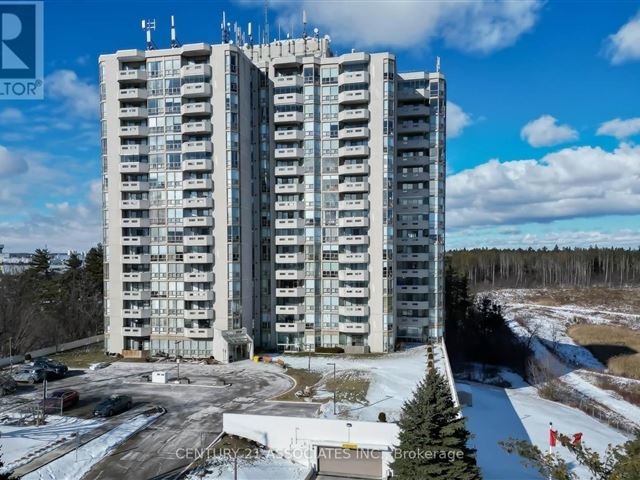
<point>616,347</point>
<point>304,378</point>
<point>85,356</point>
<point>630,393</point>
<point>350,387</point>
<point>624,300</point>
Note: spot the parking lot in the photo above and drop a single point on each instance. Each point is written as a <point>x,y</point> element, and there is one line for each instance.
<point>194,411</point>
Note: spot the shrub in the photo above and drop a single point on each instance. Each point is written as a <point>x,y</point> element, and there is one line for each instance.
<point>329,350</point>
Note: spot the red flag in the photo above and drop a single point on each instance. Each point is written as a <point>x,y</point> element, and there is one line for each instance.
<point>577,438</point>
<point>553,437</point>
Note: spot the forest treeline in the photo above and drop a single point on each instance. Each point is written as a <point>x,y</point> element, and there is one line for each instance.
<point>558,267</point>
<point>41,308</point>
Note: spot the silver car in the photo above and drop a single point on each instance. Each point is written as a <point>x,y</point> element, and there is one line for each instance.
<point>30,375</point>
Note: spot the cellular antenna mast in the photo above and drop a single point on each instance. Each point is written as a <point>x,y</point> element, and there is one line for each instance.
<point>304,24</point>
<point>223,28</point>
<point>174,41</point>
<point>438,64</point>
<point>149,25</point>
<point>265,34</point>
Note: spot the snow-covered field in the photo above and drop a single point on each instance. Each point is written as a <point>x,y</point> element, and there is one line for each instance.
<point>271,466</point>
<point>21,444</point>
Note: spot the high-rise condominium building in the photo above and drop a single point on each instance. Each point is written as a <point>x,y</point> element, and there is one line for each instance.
<point>274,194</point>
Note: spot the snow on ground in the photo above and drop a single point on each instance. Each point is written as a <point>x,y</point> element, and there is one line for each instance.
<point>78,462</point>
<point>269,466</point>
<point>392,379</point>
<point>498,414</point>
<point>21,444</point>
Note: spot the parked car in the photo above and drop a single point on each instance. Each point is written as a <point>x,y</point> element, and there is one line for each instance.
<point>113,405</point>
<point>7,385</point>
<point>60,399</point>
<point>54,369</point>
<point>30,375</point>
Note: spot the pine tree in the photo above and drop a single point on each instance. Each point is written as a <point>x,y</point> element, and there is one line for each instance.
<point>41,261</point>
<point>73,262</point>
<point>433,438</point>
<point>94,267</point>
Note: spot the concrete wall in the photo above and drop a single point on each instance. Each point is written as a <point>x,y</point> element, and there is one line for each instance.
<point>297,438</point>
<point>63,347</point>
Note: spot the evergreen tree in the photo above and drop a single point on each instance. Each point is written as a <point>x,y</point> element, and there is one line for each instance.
<point>433,437</point>
<point>41,261</point>
<point>93,265</point>
<point>73,262</point>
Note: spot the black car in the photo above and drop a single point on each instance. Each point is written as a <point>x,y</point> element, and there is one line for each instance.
<point>113,405</point>
<point>54,369</point>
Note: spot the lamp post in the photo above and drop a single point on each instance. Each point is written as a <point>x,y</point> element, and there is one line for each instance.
<point>178,342</point>
<point>349,432</point>
<point>335,386</point>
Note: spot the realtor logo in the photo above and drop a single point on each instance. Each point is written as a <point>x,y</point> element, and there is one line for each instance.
<point>21,50</point>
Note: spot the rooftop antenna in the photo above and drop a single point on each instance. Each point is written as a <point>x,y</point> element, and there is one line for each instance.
<point>250,34</point>
<point>265,34</point>
<point>438,64</point>
<point>304,24</point>
<point>316,32</point>
<point>223,28</point>
<point>174,41</point>
<point>149,25</point>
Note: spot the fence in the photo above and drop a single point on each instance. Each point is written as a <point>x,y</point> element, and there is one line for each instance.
<point>63,347</point>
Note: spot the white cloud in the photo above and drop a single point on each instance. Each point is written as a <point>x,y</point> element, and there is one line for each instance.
<point>476,26</point>
<point>624,45</point>
<point>80,97</point>
<point>11,116</point>
<point>545,132</point>
<point>457,120</point>
<point>11,163</point>
<point>576,182</point>
<point>620,128</point>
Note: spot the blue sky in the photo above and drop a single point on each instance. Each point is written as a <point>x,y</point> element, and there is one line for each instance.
<point>544,113</point>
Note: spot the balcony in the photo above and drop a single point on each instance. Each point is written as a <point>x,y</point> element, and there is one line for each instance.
<point>289,257</point>
<point>134,186</point>
<point>353,96</point>
<point>353,115</point>
<point>291,153</point>
<point>134,204</point>
<point>289,171</point>
<point>353,257</point>
<point>134,149</point>
<point>198,332</point>
<point>353,327</point>
<point>197,165</point>
<point>289,309</point>
<point>353,205</point>
<point>348,187</point>
<point>287,98</point>
<point>197,184</point>
<point>346,222</point>
<point>354,151</point>
<point>136,331</point>
<point>412,160</point>
<point>133,94</point>
<point>136,313</point>
<point>412,177</point>
<point>136,295</point>
<point>290,327</point>
<point>200,314</point>
<point>289,274</point>
<point>198,295</point>
<point>201,126</point>
<point>353,292</point>
<point>288,117</point>
<point>289,239</point>
<point>201,146</point>
<point>422,272</point>
<point>196,70</point>
<point>136,276</point>
<point>288,206</point>
<point>197,202</point>
<point>412,305</point>
<point>353,133</point>
<point>198,277</point>
<point>200,108</point>
<point>353,275</point>
<point>412,127</point>
<point>289,223</point>
<point>198,258</point>
<point>197,240</point>
<point>136,241</point>
<point>134,131</point>
<point>133,113</point>
<point>195,90</point>
<point>139,259</point>
<point>353,77</point>
<point>132,76</point>
<point>287,188</point>
<point>354,311</point>
<point>288,135</point>
<point>290,292</point>
<point>417,143</point>
<point>206,221</point>
<point>412,289</point>
<point>288,81</point>
<point>354,169</point>
<point>412,257</point>
<point>412,111</point>
<point>404,93</point>
<point>353,240</point>
<point>133,167</point>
